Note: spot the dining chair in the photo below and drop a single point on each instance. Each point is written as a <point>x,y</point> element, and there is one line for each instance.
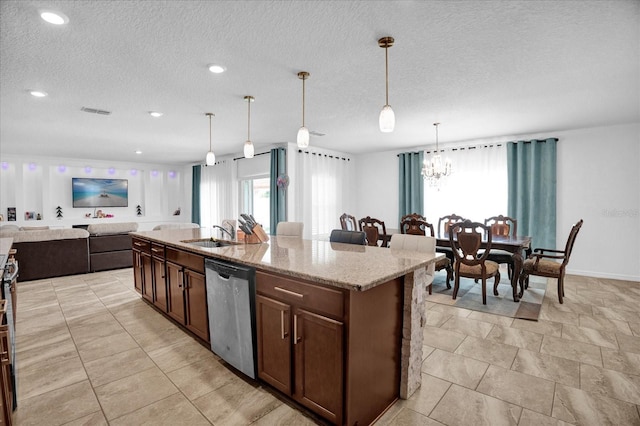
<point>503,226</point>
<point>412,225</point>
<point>348,222</point>
<point>289,229</point>
<point>465,239</point>
<point>444,224</point>
<point>375,230</point>
<point>415,215</point>
<point>416,243</point>
<point>550,263</point>
<point>348,237</point>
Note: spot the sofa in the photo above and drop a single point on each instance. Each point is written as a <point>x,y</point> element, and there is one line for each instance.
<point>46,253</point>
<point>110,246</point>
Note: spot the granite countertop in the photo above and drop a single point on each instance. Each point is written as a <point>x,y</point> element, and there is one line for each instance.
<point>348,266</point>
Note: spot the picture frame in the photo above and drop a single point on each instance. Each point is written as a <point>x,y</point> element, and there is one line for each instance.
<point>11,214</point>
<point>29,215</point>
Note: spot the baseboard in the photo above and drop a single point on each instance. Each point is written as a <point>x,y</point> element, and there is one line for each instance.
<point>595,274</point>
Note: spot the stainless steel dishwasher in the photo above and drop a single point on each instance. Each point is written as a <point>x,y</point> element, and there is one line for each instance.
<point>231,298</point>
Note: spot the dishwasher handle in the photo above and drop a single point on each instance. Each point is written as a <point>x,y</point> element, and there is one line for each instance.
<point>227,270</point>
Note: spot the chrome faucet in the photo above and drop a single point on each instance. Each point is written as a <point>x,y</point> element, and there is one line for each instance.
<point>231,233</point>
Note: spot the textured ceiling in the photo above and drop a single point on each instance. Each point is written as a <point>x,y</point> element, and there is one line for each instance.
<point>481,68</point>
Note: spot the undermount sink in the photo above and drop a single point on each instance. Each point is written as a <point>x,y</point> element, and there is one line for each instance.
<point>210,243</point>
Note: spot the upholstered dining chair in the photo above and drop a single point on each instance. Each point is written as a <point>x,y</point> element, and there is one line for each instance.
<point>550,263</point>
<point>503,226</point>
<point>465,239</point>
<point>416,243</point>
<point>348,237</point>
<point>375,230</point>
<point>444,224</point>
<point>348,222</point>
<point>412,225</point>
<point>289,229</point>
<point>415,215</point>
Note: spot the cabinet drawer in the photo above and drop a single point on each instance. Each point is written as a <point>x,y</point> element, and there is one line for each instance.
<point>142,245</point>
<point>318,299</point>
<point>157,250</point>
<point>186,259</point>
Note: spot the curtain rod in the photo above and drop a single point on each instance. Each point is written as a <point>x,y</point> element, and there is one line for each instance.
<point>490,145</point>
<point>337,157</point>
<point>255,155</point>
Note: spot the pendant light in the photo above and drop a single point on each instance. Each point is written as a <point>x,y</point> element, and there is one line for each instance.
<point>248,146</point>
<point>387,119</point>
<point>303,132</point>
<point>211,157</point>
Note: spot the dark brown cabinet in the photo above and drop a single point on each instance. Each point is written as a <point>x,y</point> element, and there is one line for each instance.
<point>196,304</point>
<point>137,271</point>
<point>301,352</point>
<point>175,292</point>
<point>159,282</point>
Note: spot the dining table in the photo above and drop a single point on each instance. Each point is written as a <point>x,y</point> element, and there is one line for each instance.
<point>512,244</point>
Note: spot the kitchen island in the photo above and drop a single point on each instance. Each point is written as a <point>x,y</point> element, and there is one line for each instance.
<point>339,326</point>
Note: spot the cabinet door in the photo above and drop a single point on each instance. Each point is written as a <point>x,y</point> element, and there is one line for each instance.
<point>147,277</point>
<point>137,271</point>
<point>159,283</point>
<point>6,388</point>
<point>196,304</point>
<point>318,349</point>
<point>273,329</point>
<point>175,292</point>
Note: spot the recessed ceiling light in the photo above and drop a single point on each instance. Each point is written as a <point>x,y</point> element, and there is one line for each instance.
<point>155,114</point>
<point>138,152</point>
<point>55,18</point>
<point>38,93</point>
<point>217,69</point>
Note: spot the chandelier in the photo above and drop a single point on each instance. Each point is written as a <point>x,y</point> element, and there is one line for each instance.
<point>436,167</point>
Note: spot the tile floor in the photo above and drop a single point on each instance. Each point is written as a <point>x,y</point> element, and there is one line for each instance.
<point>91,352</point>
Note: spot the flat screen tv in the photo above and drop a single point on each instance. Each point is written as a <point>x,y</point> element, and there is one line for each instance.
<point>90,192</point>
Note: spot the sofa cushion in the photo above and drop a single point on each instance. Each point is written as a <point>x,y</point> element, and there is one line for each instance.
<point>33,228</point>
<point>112,228</point>
<point>9,228</point>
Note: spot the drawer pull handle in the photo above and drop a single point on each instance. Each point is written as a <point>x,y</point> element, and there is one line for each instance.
<point>155,250</point>
<point>137,244</point>
<point>296,339</point>
<point>282,332</point>
<point>289,292</point>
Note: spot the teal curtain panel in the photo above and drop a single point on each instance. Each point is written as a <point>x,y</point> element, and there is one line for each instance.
<point>411,183</point>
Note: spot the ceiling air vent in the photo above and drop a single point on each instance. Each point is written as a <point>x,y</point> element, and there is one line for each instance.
<point>95,111</point>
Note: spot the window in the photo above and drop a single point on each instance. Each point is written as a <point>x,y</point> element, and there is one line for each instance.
<point>254,200</point>
<point>476,189</point>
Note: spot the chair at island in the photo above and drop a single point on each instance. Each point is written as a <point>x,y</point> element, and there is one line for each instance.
<point>289,229</point>
<point>419,243</point>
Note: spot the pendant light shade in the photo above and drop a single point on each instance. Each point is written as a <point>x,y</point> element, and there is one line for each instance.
<point>387,118</point>
<point>303,132</point>
<point>248,145</point>
<point>210,160</point>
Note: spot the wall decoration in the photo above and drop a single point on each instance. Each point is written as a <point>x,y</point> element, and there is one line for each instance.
<point>138,210</point>
<point>177,212</point>
<point>38,216</point>
<point>11,213</point>
<point>29,215</point>
<point>59,212</point>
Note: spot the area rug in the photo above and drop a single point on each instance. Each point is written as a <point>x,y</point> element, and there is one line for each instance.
<point>470,297</point>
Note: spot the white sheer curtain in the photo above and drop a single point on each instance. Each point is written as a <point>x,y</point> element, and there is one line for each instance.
<point>218,193</point>
<point>477,187</point>
<point>325,191</point>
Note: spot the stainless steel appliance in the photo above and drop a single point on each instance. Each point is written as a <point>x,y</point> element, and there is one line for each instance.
<point>231,293</point>
<point>8,290</point>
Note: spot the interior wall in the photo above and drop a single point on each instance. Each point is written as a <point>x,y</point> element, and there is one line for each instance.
<point>40,185</point>
<point>598,181</point>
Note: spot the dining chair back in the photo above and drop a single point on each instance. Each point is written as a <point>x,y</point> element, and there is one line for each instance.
<point>348,237</point>
<point>415,225</point>
<point>503,226</point>
<point>375,230</point>
<point>550,263</point>
<point>415,215</point>
<point>289,229</point>
<point>416,243</point>
<point>470,262</point>
<point>348,222</point>
<point>446,222</point>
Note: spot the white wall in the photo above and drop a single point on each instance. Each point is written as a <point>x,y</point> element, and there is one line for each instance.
<point>598,181</point>
<point>41,184</point>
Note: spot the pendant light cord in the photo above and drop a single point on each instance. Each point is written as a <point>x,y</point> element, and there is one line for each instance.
<point>249,120</point>
<point>386,71</point>
<point>437,148</point>
<point>303,79</point>
<point>210,133</point>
